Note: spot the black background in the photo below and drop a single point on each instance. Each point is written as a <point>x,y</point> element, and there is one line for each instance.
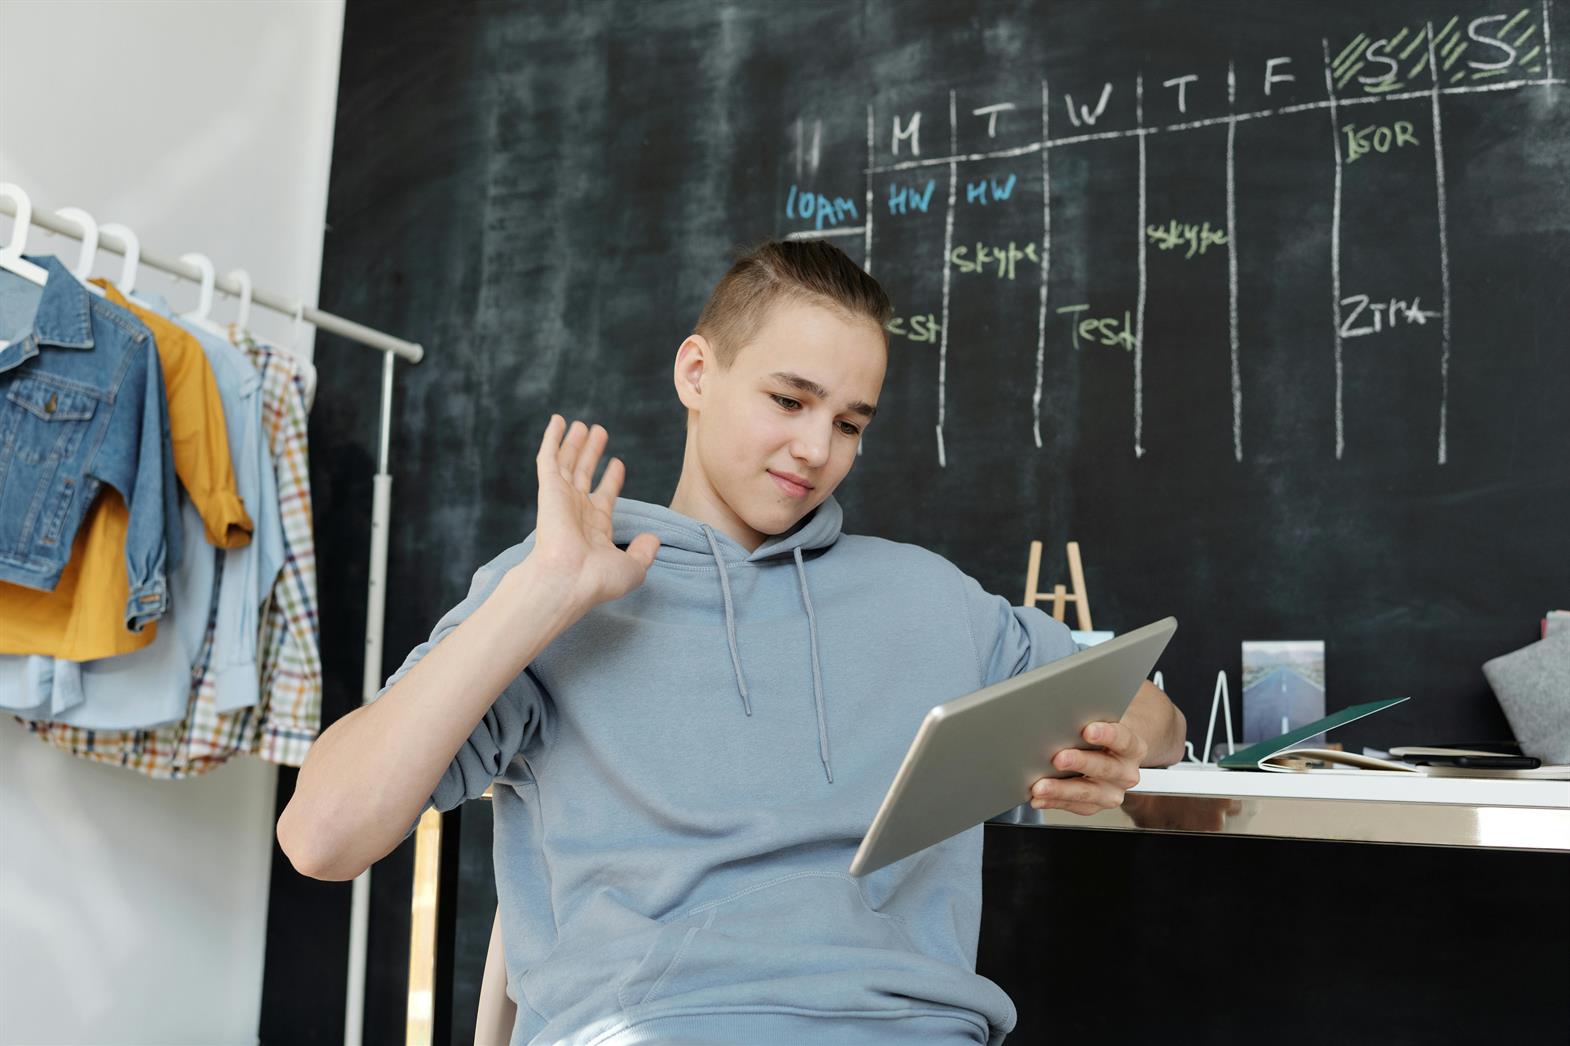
<point>543,194</point>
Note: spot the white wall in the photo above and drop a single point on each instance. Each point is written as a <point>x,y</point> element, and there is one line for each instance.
<point>131,910</point>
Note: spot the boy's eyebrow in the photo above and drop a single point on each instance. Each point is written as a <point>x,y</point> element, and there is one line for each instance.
<point>796,381</point>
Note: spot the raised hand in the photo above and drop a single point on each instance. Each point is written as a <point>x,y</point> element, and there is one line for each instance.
<point>573,531</point>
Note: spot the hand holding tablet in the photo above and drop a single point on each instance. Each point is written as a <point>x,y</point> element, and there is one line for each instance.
<point>980,755</point>
<point>1104,776</point>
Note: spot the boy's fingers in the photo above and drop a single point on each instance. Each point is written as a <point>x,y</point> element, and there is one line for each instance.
<point>567,456</point>
<point>583,475</point>
<point>1062,791</point>
<point>546,457</point>
<point>1114,737</point>
<point>643,548</point>
<point>604,496</point>
<point>1099,765</point>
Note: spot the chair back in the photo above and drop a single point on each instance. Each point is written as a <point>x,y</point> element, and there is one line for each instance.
<point>494,1017</point>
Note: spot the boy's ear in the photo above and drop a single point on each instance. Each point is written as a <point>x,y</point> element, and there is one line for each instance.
<point>692,358</point>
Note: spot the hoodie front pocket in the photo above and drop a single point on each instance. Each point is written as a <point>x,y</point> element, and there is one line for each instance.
<point>664,959</point>
<point>805,922</point>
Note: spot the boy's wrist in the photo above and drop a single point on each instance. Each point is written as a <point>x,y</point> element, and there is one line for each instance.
<point>544,586</point>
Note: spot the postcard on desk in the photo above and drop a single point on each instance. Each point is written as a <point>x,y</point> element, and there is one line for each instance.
<point>1267,755</point>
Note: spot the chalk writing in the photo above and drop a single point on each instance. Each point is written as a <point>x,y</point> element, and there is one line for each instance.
<point>1273,77</point>
<point>1197,238</point>
<point>819,208</point>
<point>1492,44</point>
<point>1181,83</point>
<point>1382,315</point>
<point>991,113</point>
<point>1005,258</point>
<point>1377,137</point>
<point>902,198</point>
<point>1375,66</point>
<point>1087,115</point>
<point>1099,330</point>
<point>989,188</point>
<point>922,328</point>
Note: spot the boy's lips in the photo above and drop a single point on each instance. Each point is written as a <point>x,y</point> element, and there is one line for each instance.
<point>793,478</point>
<point>789,484</point>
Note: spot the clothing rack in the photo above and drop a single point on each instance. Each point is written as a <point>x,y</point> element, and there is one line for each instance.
<point>16,203</point>
<point>356,332</point>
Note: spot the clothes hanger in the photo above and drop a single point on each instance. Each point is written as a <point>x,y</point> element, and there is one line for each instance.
<point>296,348</point>
<point>84,261</point>
<point>132,245</point>
<point>242,318</point>
<point>201,315</point>
<point>11,258</point>
<point>297,335</point>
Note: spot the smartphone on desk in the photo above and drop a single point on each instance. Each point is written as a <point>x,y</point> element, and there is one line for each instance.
<point>1477,762</point>
<point>1484,756</point>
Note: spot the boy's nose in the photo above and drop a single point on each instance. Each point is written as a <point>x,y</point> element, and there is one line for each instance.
<point>813,450</point>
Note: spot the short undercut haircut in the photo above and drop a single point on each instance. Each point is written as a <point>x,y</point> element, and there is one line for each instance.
<point>811,271</point>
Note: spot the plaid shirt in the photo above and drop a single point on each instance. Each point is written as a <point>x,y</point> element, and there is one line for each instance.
<point>281,727</point>
<point>289,656</point>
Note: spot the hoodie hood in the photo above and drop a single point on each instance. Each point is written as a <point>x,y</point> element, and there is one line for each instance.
<point>819,528</point>
<point>687,541</point>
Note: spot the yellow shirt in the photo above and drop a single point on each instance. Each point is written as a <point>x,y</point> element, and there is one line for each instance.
<point>84,617</point>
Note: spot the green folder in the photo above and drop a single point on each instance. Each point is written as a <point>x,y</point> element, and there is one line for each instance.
<point>1249,758</point>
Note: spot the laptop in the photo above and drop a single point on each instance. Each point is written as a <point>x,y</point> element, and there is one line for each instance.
<point>976,757</point>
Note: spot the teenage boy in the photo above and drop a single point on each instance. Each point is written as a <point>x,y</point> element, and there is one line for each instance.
<point>691,713</point>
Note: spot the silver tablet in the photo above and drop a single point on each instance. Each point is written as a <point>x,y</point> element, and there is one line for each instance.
<point>976,757</point>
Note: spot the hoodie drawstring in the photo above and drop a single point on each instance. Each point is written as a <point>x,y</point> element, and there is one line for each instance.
<point>812,630</point>
<point>817,677</point>
<point>730,621</point>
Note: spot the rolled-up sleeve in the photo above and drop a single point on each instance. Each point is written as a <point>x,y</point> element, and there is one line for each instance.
<point>517,720</point>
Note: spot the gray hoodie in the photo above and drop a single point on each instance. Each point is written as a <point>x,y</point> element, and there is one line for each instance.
<point>682,777</point>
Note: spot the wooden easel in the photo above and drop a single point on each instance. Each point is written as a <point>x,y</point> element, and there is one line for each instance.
<point>1061,596</point>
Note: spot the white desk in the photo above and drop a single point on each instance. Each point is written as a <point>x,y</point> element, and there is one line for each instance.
<point>1368,806</point>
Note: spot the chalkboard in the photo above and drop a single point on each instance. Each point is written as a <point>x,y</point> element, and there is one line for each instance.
<point>1242,297</point>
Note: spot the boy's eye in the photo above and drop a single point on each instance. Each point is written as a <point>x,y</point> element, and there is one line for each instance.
<point>789,404</point>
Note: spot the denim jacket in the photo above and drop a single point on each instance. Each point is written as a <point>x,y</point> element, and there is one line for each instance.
<point>81,403</point>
